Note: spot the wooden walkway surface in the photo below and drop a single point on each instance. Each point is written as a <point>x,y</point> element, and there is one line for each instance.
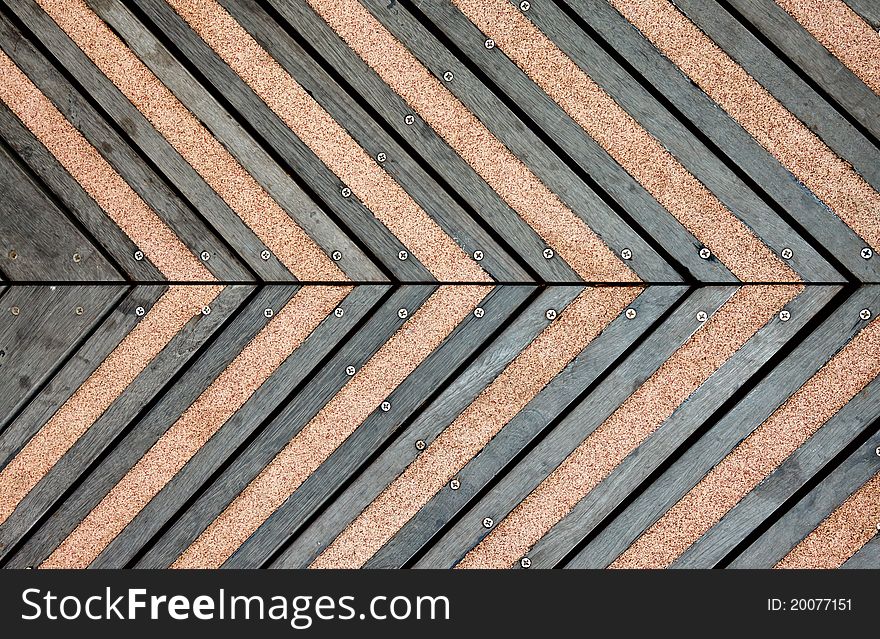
<point>439,283</point>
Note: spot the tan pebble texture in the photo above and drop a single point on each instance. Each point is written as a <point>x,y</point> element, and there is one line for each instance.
<point>842,534</point>
<point>133,354</point>
<point>522,190</point>
<point>787,139</point>
<point>635,420</point>
<point>494,407</point>
<point>330,142</point>
<point>626,141</point>
<point>226,395</point>
<point>759,454</point>
<point>158,242</point>
<point>422,333</point>
<point>843,33</point>
<point>275,228</point>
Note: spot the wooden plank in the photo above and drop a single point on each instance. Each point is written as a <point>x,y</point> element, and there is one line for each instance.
<point>146,183</point>
<point>759,169</point>
<point>793,92</point>
<point>381,325</point>
<point>68,195</point>
<point>273,178</point>
<point>773,492</point>
<point>680,142</point>
<point>869,10</point>
<point>37,241</point>
<point>529,425</point>
<point>457,175</point>
<point>47,514</point>
<point>40,328</point>
<point>609,192</point>
<point>258,411</point>
<point>868,556</point>
<point>749,413</point>
<point>429,423</point>
<point>811,510</point>
<point>462,346</point>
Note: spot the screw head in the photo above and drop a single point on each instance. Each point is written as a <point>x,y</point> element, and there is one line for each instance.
<point>79,310</point>
<point>626,254</point>
<point>478,255</point>
<point>525,562</point>
<point>205,256</point>
<point>346,192</point>
<point>339,311</point>
<point>77,258</point>
<point>490,43</point>
<point>865,314</point>
<point>630,313</point>
<point>138,255</point>
<point>350,370</point>
<point>448,76</point>
<point>479,312</point>
<point>548,253</point>
<point>15,310</point>
<point>702,316</point>
<point>336,256</point>
<point>455,484</point>
<point>140,311</point>
<point>787,253</point>
<point>12,255</point>
<point>381,157</point>
<point>268,312</point>
<point>265,255</point>
<point>420,444</point>
<point>402,255</point>
<point>403,313</point>
<point>410,119</point>
<point>385,406</point>
<point>705,253</point>
<point>525,6</point>
<point>206,310</point>
<point>784,315</point>
<point>550,314</point>
<point>867,253</point>
<point>877,451</point>
<point>488,522</point>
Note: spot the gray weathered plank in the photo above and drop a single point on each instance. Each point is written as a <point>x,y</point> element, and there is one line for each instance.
<point>869,11</point>
<point>868,556</point>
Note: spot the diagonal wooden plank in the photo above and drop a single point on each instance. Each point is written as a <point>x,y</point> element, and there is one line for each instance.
<point>868,10</point>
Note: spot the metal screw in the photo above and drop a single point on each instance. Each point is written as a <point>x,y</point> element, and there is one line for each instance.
<point>705,253</point>
<point>455,484</point>
<point>488,522</point>
<point>410,120</point>
<point>490,43</point>
<point>268,312</point>
<point>12,255</point>
<point>402,255</point>
<point>138,255</point>
<point>79,310</point>
<point>140,311</point>
<point>787,253</point>
<point>205,256</point>
<point>346,192</point>
<point>402,313</point>
<point>381,157</point>
<point>626,254</point>
<point>478,255</point>
<point>877,450</point>
<point>525,562</point>
<point>420,444</point>
<point>525,6</point>
<point>550,314</point>
<point>350,370</point>
<point>385,406</point>
<point>630,313</point>
<point>702,316</point>
<point>448,76</point>
<point>206,310</point>
<point>15,310</point>
<point>479,312</point>
<point>77,258</point>
<point>784,316</point>
<point>336,256</point>
<point>865,314</point>
<point>339,312</point>
<point>265,255</point>
<point>548,253</point>
<point>867,253</point>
